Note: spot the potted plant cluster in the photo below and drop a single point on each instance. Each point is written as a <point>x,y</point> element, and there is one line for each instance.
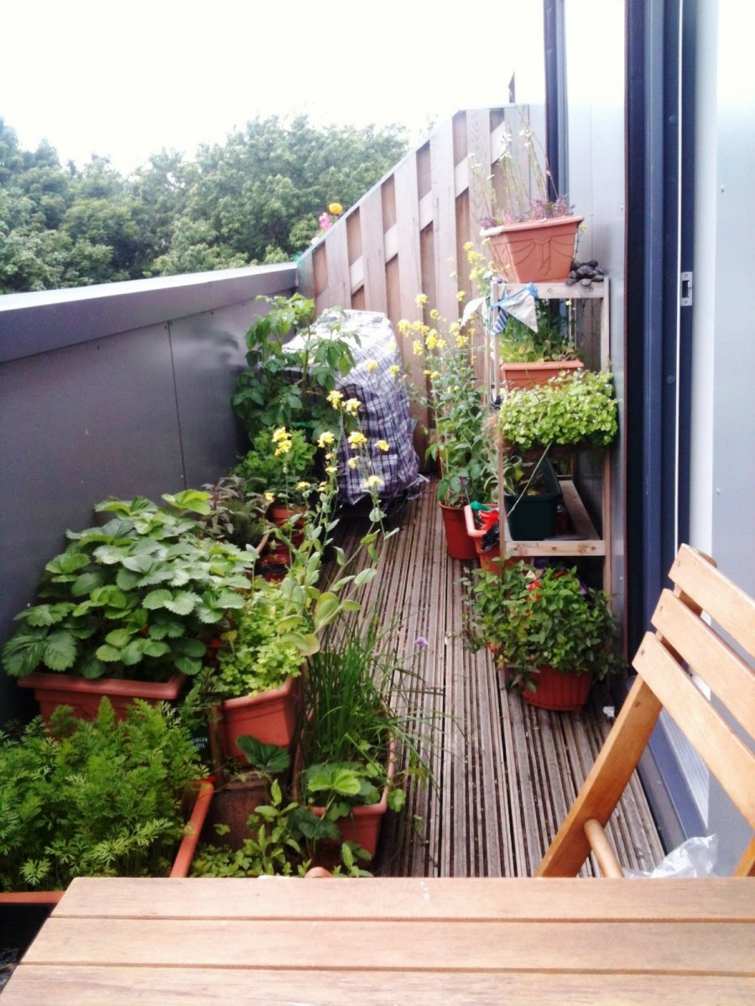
<point>96,798</point>
<point>553,635</point>
<point>530,358</point>
<point>532,236</point>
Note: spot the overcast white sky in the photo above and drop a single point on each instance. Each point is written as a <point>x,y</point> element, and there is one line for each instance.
<point>126,79</point>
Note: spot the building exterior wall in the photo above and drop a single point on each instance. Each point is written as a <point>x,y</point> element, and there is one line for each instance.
<point>92,406</point>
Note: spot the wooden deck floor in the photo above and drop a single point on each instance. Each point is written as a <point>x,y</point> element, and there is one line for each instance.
<point>505,773</point>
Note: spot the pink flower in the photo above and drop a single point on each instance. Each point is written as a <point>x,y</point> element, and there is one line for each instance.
<point>326,221</point>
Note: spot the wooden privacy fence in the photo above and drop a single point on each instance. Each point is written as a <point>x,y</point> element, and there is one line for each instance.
<point>407,234</point>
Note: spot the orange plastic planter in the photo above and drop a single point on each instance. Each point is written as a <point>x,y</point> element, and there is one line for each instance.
<point>181,864</point>
<point>558,692</point>
<point>269,718</point>
<point>530,375</point>
<point>457,541</point>
<point>536,251</point>
<point>84,696</point>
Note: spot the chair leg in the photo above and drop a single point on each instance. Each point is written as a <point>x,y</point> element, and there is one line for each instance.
<point>606,782</point>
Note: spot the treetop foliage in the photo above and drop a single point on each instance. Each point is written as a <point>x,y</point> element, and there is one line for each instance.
<point>254,198</point>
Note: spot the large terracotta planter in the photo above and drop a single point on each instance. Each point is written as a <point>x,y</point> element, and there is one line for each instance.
<point>181,864</point>
<point>536,251</point>
<point>530,375</point>
<point>269,717</point>
<point>558,692</point>
<point>458,543</point>
<point>84,696</point>
<point>364,823</point>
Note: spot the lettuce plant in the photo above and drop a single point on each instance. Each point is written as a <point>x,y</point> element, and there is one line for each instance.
<point>136,597</point>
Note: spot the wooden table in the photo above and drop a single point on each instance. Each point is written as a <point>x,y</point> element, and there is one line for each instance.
<point>384,941</point>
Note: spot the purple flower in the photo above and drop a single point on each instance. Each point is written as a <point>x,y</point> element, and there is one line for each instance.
<point>421,643</point>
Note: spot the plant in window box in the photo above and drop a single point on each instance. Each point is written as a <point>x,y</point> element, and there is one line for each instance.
<point>569,411</point>
<point>127,609</point>
<point>530,358</point>
<point>553,635</point>
<point>532,232</point>
<point>102,798</point>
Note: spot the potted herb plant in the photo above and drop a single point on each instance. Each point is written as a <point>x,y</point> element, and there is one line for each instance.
<point>529,358</point>
<point>280,465</point>
<point>533,235</point>
<point>99,798</point>
<point>127,609</point>
<point>554,636</point>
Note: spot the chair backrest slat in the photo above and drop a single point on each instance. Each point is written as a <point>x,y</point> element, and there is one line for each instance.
<point>724,753</point>
<point>723,600</point>
<point>708,656</point>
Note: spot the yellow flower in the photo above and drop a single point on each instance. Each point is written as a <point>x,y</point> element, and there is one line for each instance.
<point>417,347</point>
<point>269,496</point>
<point>432,341</point>
<point>420,299</point>
<point>460,296</point>
<point>383,445</point>
<point>281,433</point>
<point>441,343</point>
<point>322,486</point>
<point>427,372</point>
<point>435,375</point>
<point>331,469</point>
<point>357,439</point>
<point>374,482</point>
<point>352,406</point>
<point>303,486</point>
<point>403,326</point>
<point>461,341</point>
<point>335,208</point>
<point>335,398</point>
<point>435,314</point>
<point>284,447</point>
<point>353,462</point>
<point>326,439</point>
<point>371,365</point>
<point>468,246</point>
<point>394,370</point>
<point>330,456</point>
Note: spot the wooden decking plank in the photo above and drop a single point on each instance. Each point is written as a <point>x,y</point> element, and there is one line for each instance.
<point>151,986</point>
<point>647,947</point>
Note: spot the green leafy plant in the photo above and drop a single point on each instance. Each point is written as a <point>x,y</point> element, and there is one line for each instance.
<point>579,408</point>
<point>519,344</point>
<point>288,387</point>
<point>93,799</point>
<point>536,618</point>
<point>135,597</point>
<point>267,469</point>
<point>235,514</point>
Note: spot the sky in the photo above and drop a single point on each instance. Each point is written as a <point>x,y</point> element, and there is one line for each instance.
<point>128,79</point>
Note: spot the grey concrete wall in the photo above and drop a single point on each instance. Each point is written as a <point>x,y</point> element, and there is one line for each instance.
<point>93,405</point>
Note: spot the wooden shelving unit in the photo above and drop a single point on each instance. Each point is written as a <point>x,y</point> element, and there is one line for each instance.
<point>585,541</point>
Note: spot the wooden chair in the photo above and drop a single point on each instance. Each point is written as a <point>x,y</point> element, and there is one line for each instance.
<point>683,641</point>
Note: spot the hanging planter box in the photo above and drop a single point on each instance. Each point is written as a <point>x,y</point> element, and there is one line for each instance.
<point>84,695</point>
<point>181,864</point>
<point>529,375</point>
<point>458,543</point>
<point>536,251</point>
<point>269,717</point>
<point>558,692</point>
<point>534,517</point>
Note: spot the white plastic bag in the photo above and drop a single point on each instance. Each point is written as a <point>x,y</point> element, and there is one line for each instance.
<point>694,858</point>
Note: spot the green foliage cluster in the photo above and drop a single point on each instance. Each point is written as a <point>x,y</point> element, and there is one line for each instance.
<point>579,408</point>
<point>93,799</point>
<point>283,386</point>
<point>253,198</point>
<point>236,514</point>
<point>519,344</point>
<point>135,597</point>
<point>262,470</point>
<point>542,618</point>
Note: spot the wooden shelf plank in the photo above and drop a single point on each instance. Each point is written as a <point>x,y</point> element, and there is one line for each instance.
<point>584,541</point>
<point>562,291</point>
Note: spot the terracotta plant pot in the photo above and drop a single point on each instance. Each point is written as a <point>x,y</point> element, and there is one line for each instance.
<point>458,543</point>
<point>536,251</point>
<point>558,692</point>
<point>269,717</point>
<point>181,864</point>
<point>529,375</point>
<point>364,823</point>
<point>84,696</point>
<point>282,513</point>
<point>232,804</point>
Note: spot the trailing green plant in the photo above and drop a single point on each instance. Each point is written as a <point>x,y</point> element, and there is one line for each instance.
<point>271,469</point>
<point>519,344</point>
<point>283,838</point>
<point>568,410</point>
<point>535,618</point>
<point>100,798</point>
<point>288,387</point>
<point>236,514</point>
<point>136,597</point>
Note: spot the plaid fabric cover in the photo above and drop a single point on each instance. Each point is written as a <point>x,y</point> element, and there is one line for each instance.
<point>385,413</point>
